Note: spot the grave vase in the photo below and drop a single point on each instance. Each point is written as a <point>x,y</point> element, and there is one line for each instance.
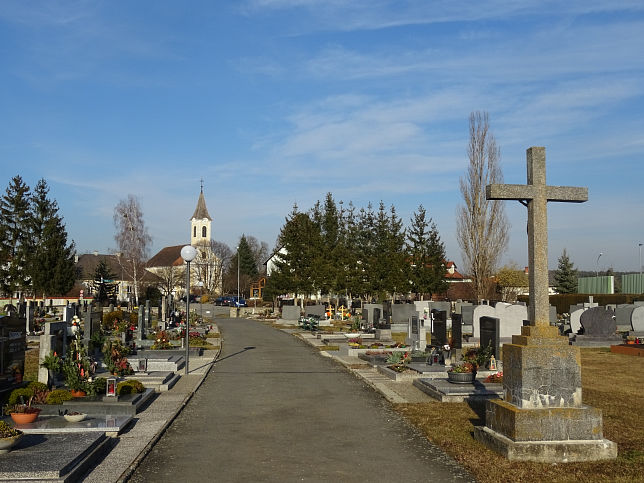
<point>24,418</point>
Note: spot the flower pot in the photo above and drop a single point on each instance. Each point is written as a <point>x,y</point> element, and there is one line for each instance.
<point>24,418</point>
<point>75,418</point>
<point>7,443</point>
<point>77,393</point>
<point>461,377</point>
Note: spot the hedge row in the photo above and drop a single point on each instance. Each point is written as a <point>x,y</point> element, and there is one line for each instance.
<point>564,301</point>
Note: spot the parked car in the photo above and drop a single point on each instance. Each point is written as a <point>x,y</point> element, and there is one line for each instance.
<point>237,301</point>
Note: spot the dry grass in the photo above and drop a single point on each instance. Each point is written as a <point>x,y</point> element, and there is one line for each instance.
<point>611,382</point>
<point>328,347</point>
<point>31,363</point>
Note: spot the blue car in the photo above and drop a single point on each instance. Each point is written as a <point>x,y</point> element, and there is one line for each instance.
<point>237,301</point>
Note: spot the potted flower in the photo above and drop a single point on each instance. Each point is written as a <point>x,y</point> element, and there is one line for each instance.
<point>462,373</point>
<point>22,413</point>
<point>8,437</point>
<point>53,363</point>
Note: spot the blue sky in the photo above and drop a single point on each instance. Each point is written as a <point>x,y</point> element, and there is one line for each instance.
<point>280,101</point>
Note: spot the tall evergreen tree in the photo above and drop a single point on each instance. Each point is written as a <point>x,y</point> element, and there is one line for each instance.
<point>387,273</point>
<point>426,254</point>
<point>298,241</point>
<point>104,287</point>
<point>566,275</point>
<point>51,258</point>
<point>14,225</point>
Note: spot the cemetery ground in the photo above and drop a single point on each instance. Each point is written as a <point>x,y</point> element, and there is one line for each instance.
<point>611,382</point>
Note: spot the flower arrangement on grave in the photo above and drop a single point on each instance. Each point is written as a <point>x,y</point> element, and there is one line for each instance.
<point>397,345</point>
<point>196,339</point>
<point>397,361</point>
<point>76,366</point>
<point>356,343</point>
<point>463,367</point>
<point>115,358</point>
<point>161,341</point>
<point>497,378</point>
<point>7,431</point>
<point>52,362</point>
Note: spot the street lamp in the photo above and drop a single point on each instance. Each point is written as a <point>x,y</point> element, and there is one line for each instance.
<point>238,294</point>
<point>188,253</point>
<point>597,264</point>
<point>639,282</point>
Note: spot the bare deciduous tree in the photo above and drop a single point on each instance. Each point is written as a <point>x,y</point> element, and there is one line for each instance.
<point>210,264</point>
<point>482,227</point>
<point>171,277</point>
<point>132,239</point>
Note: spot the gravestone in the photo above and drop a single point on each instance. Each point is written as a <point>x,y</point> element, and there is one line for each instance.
<point>511,319</point>
<point>92,324</point>
<point>29,316</point>
<point>68,313</point>
<point>141,326</point>
<point>467,315</point>
<point>368,314</point>
<point>147,319</point>
<point>400,313</point>
<point>553,315</point>
<point>637,321</point>
<point>541,417</point>
<point>416,335</point>
<point>598,322</point>
<point>490,334</point>
<point>164,308</point>
<point>12,348</point>
<point>481,311</point>
<point>318,310</point>
<point>439,327</point>
<point>623,317</point>
<point>457,332</point>
<point>54,339</point>
<point>386,312</point>
<point>575,320</point>
<point>458,306</point>
<point>290,312</point>
<point>441,305</point>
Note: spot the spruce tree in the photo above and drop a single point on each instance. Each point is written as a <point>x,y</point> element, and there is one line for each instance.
<point>104,287</point>
<point>51,258</point>
<point>426,253</point>
<point>14,225</point>
<point>566,275</point>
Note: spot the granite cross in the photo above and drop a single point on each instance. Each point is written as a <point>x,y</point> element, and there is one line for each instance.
<point>535,195</point>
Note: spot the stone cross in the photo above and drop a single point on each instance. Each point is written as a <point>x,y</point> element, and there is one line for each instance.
<point>535,195</point>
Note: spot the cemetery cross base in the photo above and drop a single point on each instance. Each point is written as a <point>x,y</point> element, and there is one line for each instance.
<point>541,417</point>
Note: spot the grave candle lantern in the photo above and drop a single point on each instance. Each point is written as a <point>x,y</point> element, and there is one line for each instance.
<point>110,390</point>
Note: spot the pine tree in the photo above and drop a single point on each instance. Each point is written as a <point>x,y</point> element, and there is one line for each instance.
<point>566,275</point>
<point>51,258</point>
<point>14,225</point>
<point>387,273</point>
<point>298,241</point>
<point>104,287</point>
<point>426,253</point>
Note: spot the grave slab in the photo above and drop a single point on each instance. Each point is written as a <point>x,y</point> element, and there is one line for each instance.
<point>445,391</point>
<point>110,425</point>
<point>53,457</point>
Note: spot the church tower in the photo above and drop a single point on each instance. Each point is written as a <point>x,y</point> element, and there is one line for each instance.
<point>200,223</point>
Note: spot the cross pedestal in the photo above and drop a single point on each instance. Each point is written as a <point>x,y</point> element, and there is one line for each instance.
<point>541,416</point>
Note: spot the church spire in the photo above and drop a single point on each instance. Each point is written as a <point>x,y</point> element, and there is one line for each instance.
<point>201,212</point>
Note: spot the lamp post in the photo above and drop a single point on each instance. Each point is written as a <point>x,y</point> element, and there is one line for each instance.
<point>597,264</point>
<point>639,281</point>
<point>238,294</point>
<point>188,253</point>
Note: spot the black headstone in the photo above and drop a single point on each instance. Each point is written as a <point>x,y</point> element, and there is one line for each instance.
<point>457,331</point>
<point>599,322</point>
<point>415,329</point>
<point>490,330</point>
<point>439,327</point>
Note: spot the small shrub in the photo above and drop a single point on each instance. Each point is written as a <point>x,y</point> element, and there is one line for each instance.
<point>129,387</point>
<point>37,386</point>
<point>205,299</point>
<point>7,431</point>
<point>20,396</point>
<point>58,396</point>
<point>109,318</point>
<point>213,335</point>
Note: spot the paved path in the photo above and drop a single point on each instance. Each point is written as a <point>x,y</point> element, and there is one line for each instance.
<point>272,409</point>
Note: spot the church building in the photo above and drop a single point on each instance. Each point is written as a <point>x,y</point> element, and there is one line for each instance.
<point>168,265</point>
